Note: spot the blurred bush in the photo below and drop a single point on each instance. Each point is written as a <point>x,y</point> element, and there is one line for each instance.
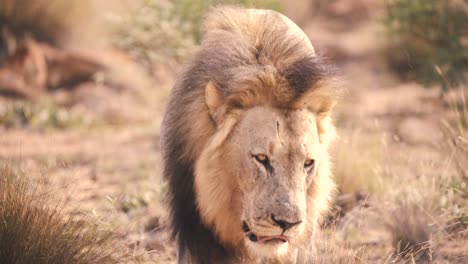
<point>52,21</point>
<point>431,40</point>
<point>41,115</point>
<point>165,32</point>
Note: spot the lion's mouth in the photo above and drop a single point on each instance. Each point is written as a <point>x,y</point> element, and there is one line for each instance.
<point>262,239</point>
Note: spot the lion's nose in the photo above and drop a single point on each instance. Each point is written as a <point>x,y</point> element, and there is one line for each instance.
<point>285,225</point>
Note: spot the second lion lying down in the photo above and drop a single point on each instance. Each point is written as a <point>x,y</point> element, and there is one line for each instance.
<point>245,142</point>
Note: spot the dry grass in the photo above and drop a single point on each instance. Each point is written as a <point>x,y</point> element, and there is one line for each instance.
<point>456,131</point>
<point>426,211</point>
<point>409,226</point>
<point>456,134</point>
<point>431,209</point>
<point>35,229</point>
<point>357,162</point>
<point>332,251</point>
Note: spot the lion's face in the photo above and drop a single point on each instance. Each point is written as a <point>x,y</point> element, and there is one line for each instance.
<point>273,155</point>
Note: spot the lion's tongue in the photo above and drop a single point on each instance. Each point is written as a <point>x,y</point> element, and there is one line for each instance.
<point>263,239</point>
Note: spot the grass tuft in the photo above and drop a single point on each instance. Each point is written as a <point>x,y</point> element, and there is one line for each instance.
<point>34,228</point>
<point>409,227</point>
<point>329,250</point>
<point>456,135</point>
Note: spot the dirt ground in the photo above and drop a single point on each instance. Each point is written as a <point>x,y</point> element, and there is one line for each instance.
<point>111,168</point>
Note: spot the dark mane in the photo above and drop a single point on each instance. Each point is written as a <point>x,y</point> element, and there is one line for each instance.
<point>186,224</point>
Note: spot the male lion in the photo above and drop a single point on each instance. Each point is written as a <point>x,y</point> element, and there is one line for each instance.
<point>245,139</point>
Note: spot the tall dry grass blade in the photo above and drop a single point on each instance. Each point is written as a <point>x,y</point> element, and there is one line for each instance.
<point>34,228</point>
<point>411,234</point>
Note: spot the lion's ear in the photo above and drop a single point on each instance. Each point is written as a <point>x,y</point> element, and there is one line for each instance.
<point>322,98</point>
<point>213,98</point>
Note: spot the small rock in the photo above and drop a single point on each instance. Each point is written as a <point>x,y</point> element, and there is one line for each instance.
<point>153,223</point>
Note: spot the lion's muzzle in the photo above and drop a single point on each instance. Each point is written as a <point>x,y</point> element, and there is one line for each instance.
<point>279,209</point>
<point>262,239</point>
<point>283,224</point>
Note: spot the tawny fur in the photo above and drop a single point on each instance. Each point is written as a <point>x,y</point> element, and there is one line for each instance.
<point>256,74</point>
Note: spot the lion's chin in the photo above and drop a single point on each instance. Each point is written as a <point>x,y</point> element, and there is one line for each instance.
<point>271,249</point>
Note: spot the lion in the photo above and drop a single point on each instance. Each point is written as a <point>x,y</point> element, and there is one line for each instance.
<point>245,140</point>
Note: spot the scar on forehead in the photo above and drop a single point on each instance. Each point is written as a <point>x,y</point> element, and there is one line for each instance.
<point>278,131</point>
<point>271,148</point>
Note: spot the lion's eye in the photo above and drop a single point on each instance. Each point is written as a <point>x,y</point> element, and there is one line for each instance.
<point>309,163</point>
<point>262,158</point>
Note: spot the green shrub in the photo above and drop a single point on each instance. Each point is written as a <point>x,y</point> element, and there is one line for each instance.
<point>193,11</point>
<point>162,32</point>
<point>39,115</point>
<point>430,38</point>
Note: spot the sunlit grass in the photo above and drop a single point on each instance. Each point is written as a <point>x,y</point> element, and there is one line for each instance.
<point>357,161</point>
